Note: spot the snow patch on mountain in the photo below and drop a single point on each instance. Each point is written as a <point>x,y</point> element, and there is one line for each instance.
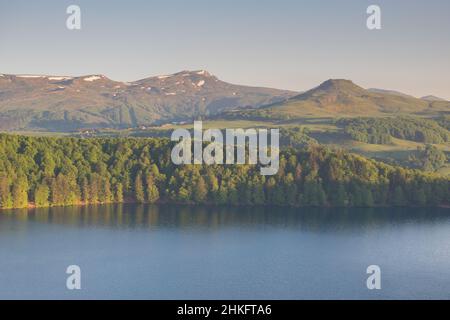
<point>30,76</point>
<point>59,78</point>
<point>92,78</point>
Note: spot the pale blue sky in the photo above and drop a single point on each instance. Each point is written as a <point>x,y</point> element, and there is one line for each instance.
<point>279,43</point>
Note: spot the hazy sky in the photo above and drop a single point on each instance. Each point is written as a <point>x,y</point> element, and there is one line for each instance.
<point>279,43</point>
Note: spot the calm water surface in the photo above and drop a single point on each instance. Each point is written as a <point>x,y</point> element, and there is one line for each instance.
<point>176,252</point>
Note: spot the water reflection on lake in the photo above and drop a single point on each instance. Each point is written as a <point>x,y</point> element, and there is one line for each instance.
<point>169,252</point>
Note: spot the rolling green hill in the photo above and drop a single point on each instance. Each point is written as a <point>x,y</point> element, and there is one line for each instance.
<point>342,98</point>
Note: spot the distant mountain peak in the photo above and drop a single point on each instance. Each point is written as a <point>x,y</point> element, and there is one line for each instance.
<point>93,77</point>
<point>340,97</point>
<point>337,82</point>
<point>195,73</point>
<point>432,98</point>
<point>331,89</point>
<point>192,73</point>
<point>179,76</point>
<point>340,84</point>
<point>202,73</point>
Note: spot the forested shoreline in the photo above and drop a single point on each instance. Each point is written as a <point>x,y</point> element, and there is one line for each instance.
<point>49,171</point>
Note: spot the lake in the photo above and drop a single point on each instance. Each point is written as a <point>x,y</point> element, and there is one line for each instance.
<point>181,252</point>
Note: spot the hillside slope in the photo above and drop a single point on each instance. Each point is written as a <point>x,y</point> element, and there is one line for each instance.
<point>343,98</point>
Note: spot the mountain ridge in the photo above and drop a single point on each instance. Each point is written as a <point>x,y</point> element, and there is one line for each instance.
<point>432,98</point>
<point>71,102</point>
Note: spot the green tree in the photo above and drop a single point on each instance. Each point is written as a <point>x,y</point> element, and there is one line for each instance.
<point>152,189</point>
<point>118,194</point>
<point>41,195</point>
<point>139,189</point>
<point>200,191</point>
<point>85,190</point>
<point>106,194</point>
<point>6,200</point>
<point>20,193</point>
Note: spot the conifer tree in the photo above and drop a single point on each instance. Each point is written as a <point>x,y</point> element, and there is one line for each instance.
<point>151,189</point>
<point>118,194</point>
<point>41,195</point>
<point>20,193</point>
<point>6,201</point>
<point>139,188</point>
<point>200,191</point>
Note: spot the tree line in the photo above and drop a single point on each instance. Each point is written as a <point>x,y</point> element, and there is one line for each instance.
<point>49,171</point>
<point>381,130</point>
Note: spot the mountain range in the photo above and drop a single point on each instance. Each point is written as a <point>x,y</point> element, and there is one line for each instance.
<point>61,103</point>
<point>64,103</point>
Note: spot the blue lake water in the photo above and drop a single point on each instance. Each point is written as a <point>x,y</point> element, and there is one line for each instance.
<point>181,252</point>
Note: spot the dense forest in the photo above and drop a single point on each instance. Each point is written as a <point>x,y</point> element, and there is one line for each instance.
<point>380,130</point>
<point>49,171</point>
